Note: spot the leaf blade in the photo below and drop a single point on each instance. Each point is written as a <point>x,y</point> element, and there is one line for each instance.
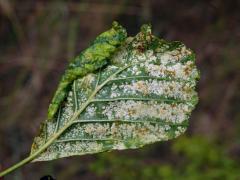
<point>145,96</point>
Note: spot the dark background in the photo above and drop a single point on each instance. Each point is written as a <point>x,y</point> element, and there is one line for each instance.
<point>37,40</point>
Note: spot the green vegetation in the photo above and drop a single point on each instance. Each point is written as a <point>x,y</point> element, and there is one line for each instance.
<point>192,158</point>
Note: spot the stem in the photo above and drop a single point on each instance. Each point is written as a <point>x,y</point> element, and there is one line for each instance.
<point>19,164</point>
<point>49,142</point>
<point>35,154</point>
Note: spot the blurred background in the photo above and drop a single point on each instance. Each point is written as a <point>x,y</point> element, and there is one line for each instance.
<point>37,40</point>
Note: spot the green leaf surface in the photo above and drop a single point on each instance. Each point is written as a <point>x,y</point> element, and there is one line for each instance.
<point>144,94</point>
<point>91,59</point>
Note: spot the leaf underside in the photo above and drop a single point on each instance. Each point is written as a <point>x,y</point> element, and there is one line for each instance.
<point>142,96</point>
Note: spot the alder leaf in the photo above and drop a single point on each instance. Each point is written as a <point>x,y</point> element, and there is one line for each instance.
<point>145,94</point>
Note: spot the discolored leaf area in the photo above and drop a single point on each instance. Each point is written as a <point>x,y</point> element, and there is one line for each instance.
<point>145,94</point>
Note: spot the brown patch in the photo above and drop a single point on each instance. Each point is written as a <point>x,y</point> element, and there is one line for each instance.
<point>131,111</point>
<point>141,48</point>
<point>142,86</point>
